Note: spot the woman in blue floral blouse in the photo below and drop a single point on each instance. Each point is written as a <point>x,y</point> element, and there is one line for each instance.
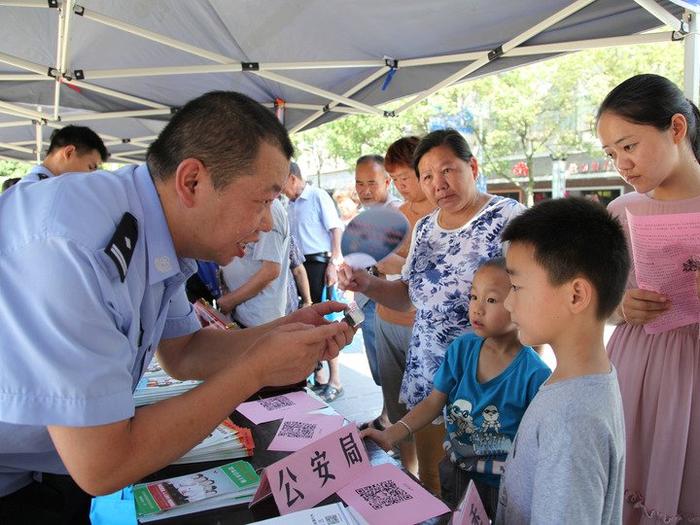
<point>446,249</point>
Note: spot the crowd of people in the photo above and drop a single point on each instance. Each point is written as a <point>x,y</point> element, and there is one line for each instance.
<point>95,268</point>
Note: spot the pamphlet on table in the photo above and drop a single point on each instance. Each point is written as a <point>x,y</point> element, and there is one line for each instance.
<point>156,385</point>
<point>226,441</point>
<point>229,484</point>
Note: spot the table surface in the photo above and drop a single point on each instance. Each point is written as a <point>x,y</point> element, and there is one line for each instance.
<point>239,514</point>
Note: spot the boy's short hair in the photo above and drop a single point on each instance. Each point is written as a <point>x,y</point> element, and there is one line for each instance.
<point>83,138</point>
<point>496,262</point>
<point>576,237</point>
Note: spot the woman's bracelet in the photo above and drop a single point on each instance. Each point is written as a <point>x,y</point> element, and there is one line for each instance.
<point>410,432</point>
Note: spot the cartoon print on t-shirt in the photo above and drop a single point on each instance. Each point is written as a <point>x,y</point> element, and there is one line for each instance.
<point>490,415</point>
<point>471,441</point>
<point>458,414</point>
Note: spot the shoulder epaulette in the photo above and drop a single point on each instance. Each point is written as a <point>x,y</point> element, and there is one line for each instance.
<point>123,243</point>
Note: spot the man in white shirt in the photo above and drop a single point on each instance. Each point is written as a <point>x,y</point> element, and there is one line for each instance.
<point>315,223</point>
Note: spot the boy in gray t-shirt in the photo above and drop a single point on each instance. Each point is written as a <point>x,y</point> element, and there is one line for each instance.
<point>568,263</point>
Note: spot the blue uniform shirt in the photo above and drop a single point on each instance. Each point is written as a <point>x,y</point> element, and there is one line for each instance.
<point>38,172</point>
<point>74,336</point>
<point>482,418</point>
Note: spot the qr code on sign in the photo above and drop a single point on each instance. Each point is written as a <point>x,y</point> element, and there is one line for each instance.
<point>297,429</point>
<point>384,494</point>
<point>275,403</point>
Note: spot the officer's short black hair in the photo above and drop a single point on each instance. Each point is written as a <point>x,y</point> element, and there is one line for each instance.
<point>222,129</point>
<point>576,237</point>
<point>83,138</point>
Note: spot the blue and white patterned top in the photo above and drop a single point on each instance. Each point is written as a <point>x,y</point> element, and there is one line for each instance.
<point>439,270</point>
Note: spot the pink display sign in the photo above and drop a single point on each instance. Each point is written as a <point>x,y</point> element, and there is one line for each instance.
<point>666,253</point>
<point>297,431</point>
<point>308,476</point>
<point>470,510</point>
<point>385,494</point>
<point>277,407</point>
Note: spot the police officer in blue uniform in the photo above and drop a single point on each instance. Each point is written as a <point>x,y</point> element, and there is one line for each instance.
<point>72,149</point>
<point>92,285</point>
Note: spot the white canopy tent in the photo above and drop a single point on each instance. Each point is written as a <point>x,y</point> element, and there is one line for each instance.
<point>124,67</point>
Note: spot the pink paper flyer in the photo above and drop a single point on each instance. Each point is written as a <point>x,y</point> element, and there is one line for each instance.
<point>277,407</point>
<point>297,431</point>
<point>666,253</point>
<point>385,494</point>
<point>308,476</point>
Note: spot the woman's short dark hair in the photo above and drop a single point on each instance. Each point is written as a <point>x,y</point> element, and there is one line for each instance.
<point>652,100</point>
<point>400,153</point>
<point>442,137</point>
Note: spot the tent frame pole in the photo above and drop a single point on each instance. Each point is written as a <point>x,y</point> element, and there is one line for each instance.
<point>62,42</point>
<point>117,94</point>
<point>19,111</point>
<point>138,141</point>
<point>150,35</point>
<point>27,3</point>
<point>14,147</point>
<point>500,51</point>
<point>16,123</point>
<point>691,66</point>
<point>23,77</point>
<point>563,47</point>
<point>120,157</point>
<point>24,64</point>
<point>350,92</point>
<point>318,91</point>
<point>38,140</point>
<point>77,117</point>
<point>664,16</point>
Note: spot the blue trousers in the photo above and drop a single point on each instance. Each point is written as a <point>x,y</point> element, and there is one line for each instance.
<point>368,338</point>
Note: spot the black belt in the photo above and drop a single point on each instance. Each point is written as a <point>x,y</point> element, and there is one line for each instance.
<point>321,257</point>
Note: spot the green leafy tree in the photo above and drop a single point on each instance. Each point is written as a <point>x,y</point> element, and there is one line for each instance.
<point>544,108</point>
<point>12,168</point>
<point>350,137</point>
<point>548,107</point>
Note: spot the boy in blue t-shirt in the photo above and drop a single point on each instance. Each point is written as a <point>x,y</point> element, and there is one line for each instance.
<point>484,385</point>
